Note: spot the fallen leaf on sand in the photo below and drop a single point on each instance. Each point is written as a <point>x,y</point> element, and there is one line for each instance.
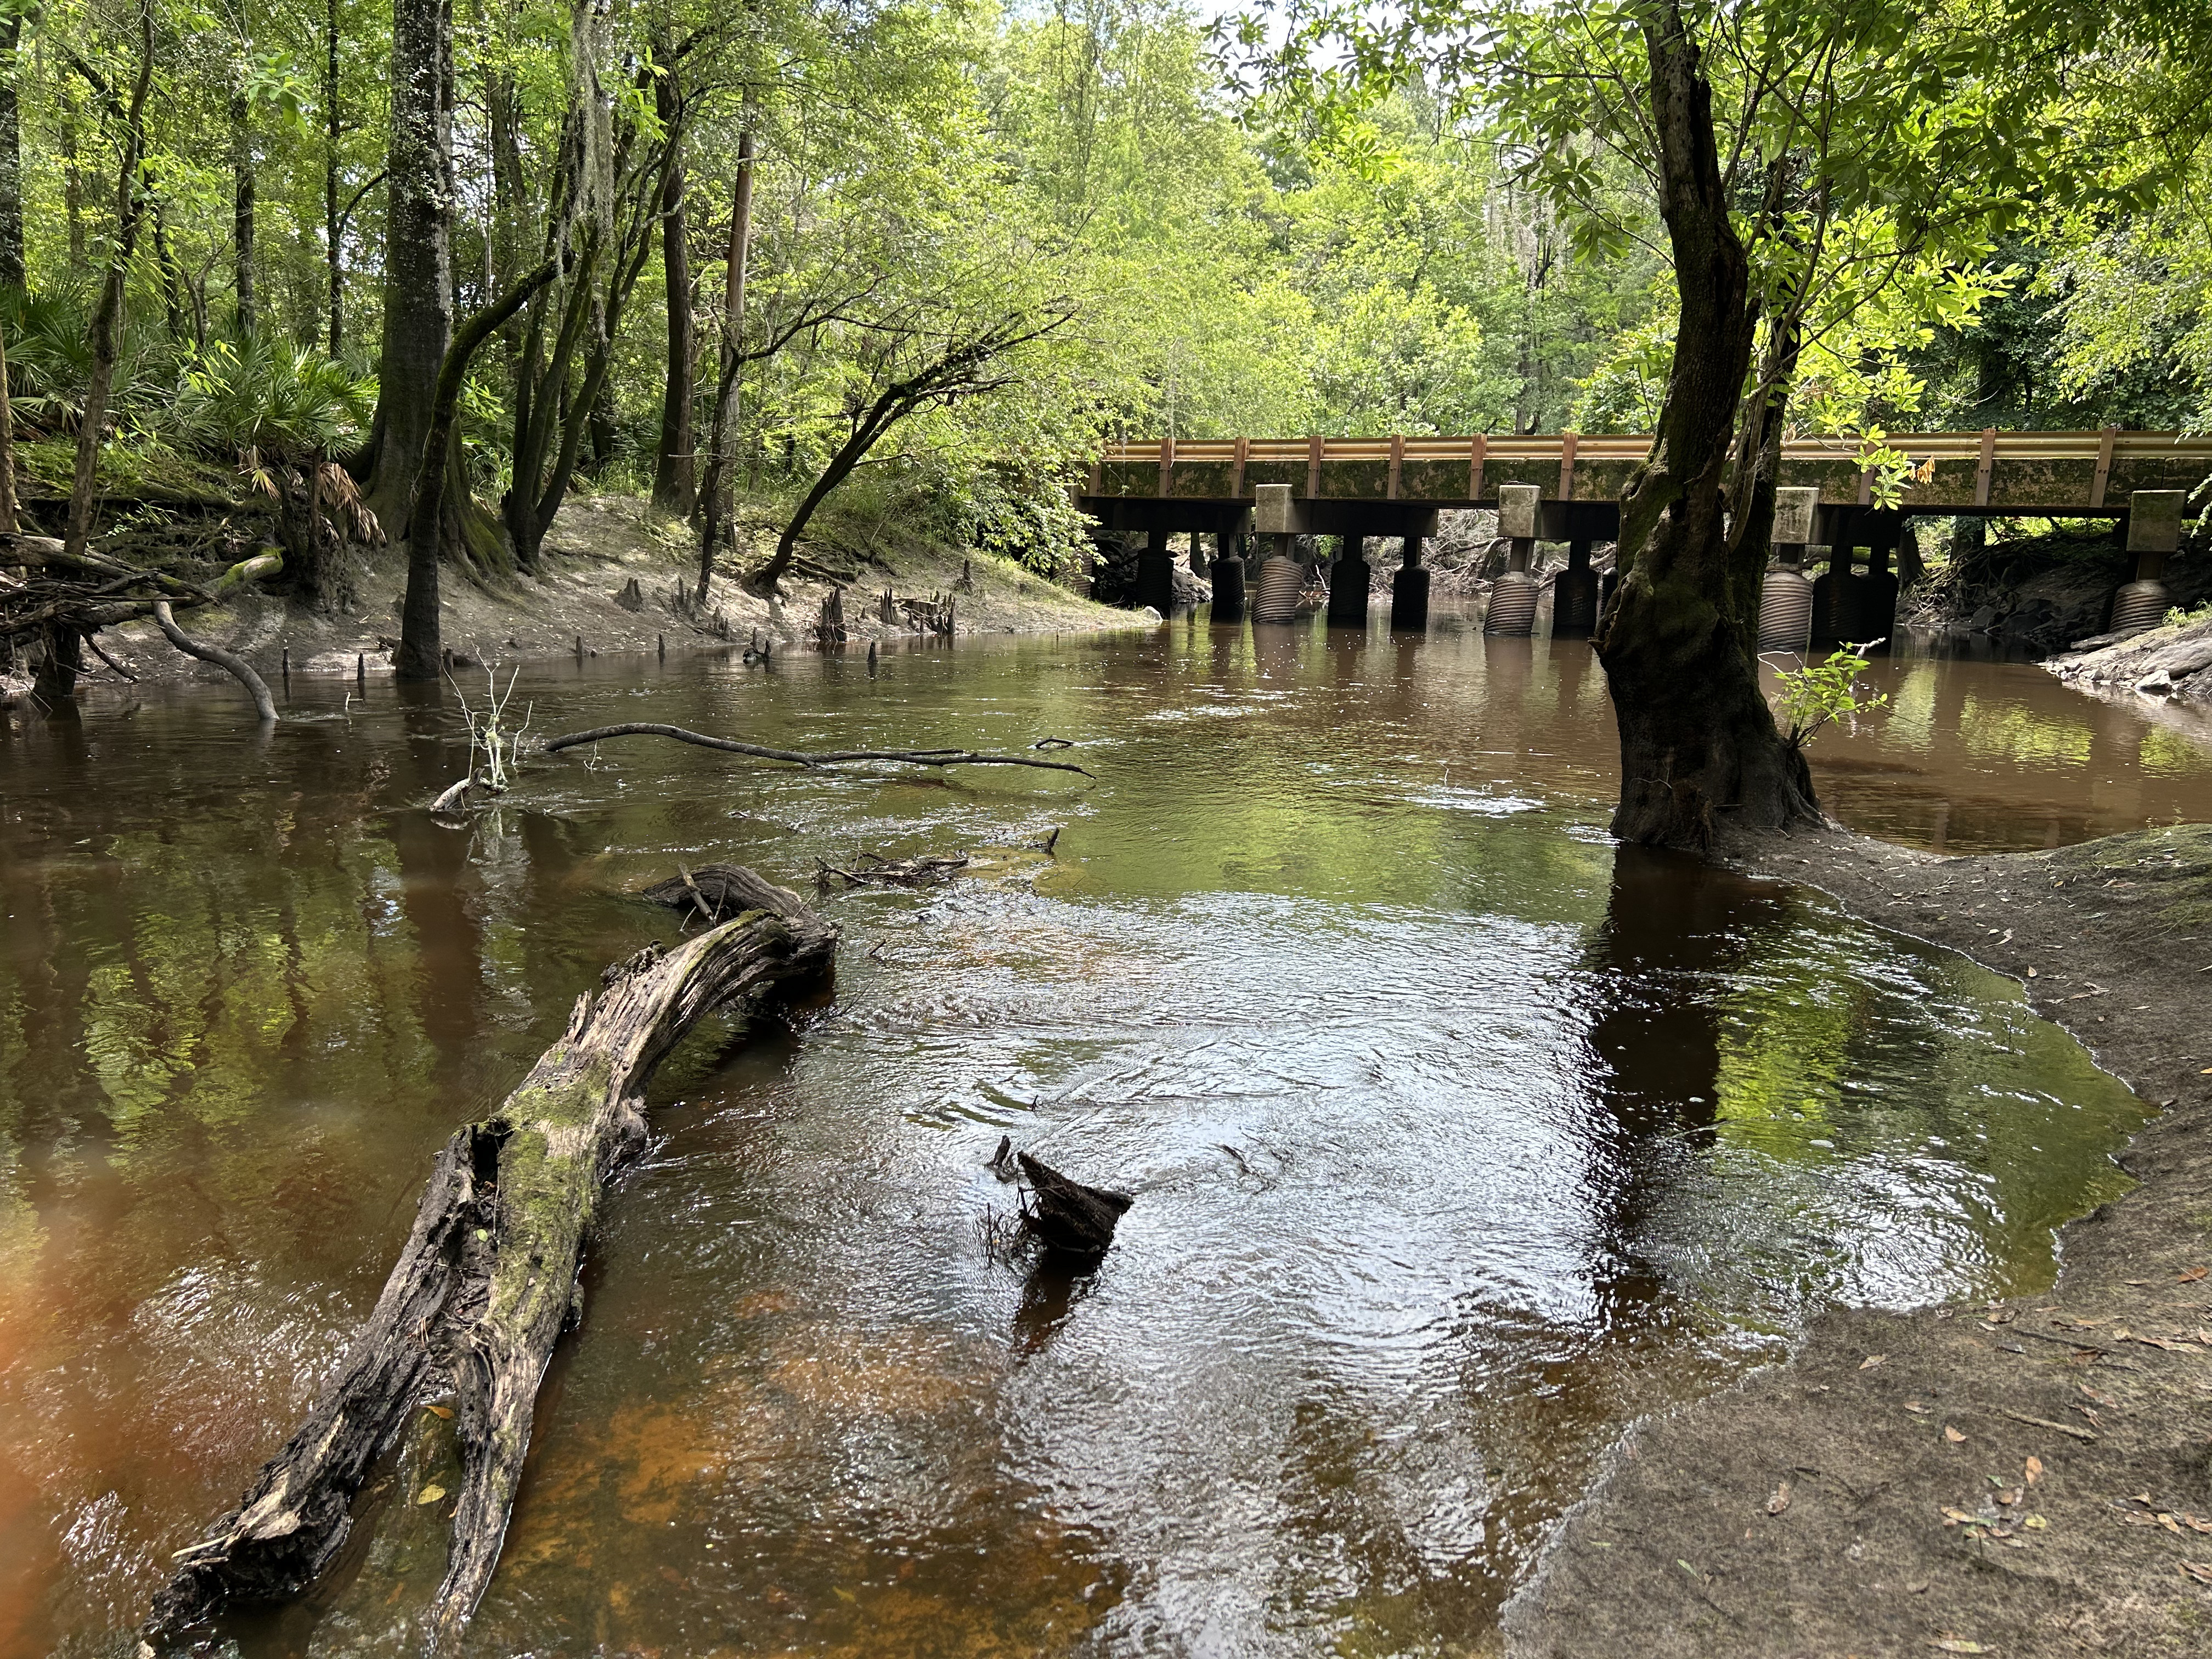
<point>1780,1501</point>
<point>2035,1522</point>
<point>2200,1570</point>
<point>2167,1343</point>
<point>2169,1523</point>
<point>1871,1361</point>
<point>446,1412</point>
<point>1953,1436</point>
<point>1916,1407</point>
<point>2142,1497</point>
<point>2001,1315</point>
<point>2190,1275</point>
<point>431,1495</point>
<point>2010,1496</point>
<point>2034,1470</point>
<point>1957,1643</point>
<point>2196,1524</point>
<point>1956,1518</point>
<point>2101,1399</point>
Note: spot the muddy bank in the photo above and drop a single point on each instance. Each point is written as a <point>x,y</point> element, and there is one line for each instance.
<point>2039,592</point>
<point>2173,662</point>
<point>599,546</point>
<point>2027,1477</point>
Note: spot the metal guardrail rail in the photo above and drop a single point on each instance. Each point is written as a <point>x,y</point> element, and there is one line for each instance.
<point>1988,471</point>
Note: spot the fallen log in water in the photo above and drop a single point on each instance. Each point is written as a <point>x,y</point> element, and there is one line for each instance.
<point>798,758</point>
<point>488,1277</point>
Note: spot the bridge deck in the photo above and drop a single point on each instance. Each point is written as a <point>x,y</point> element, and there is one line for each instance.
<point>2084,474</point>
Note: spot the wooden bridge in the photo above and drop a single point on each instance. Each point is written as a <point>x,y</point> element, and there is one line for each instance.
<point>1362,485</point>
<point>1566,488</point>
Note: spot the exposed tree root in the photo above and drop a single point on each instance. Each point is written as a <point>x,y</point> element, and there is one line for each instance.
<point>488,1279</point>
<point>833,758</point>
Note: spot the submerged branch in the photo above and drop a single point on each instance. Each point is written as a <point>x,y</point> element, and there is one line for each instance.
<point>731,745</point>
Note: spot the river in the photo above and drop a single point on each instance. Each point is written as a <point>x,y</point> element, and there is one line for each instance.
<point>1459,1137</point>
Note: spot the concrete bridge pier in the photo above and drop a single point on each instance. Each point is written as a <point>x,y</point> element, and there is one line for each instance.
<point>1513,595</point>
<point>1155,573</point>
<point>1785,598</point>
<point>1574,595</point>
<point>2154,532</point>
<point>1348,582</point>
<point>1228,574</point>
<point>1409,591</point>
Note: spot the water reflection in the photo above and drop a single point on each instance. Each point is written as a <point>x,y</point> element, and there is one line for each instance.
<point>1459,1137</point>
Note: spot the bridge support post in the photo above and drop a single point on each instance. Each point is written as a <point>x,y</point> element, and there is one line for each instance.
<point>1574,595</point>
<point>1835,595</point>
<point>1156,573</point>
<point>1785,599</point>
<point>1282,580</point>
<point>1348,584</point>
<point>1228,578</point>
<point>1513,596</point>
<point>1786,594</point>
<point>1409,593</point>
<point>1197,565</point>
<point>1877,595</point>
<point>2154,532</point>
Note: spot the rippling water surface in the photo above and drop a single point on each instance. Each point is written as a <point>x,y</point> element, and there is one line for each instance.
<point>1459,1136</point>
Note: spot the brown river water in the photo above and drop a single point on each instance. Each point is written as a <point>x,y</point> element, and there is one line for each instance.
<point>1459,1137</point>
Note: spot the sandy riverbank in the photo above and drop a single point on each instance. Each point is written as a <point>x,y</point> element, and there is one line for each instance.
<point>598,545</point>
<point>2024,1479</point>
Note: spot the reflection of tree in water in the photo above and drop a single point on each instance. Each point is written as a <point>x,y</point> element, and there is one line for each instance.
<point>1672,929</point>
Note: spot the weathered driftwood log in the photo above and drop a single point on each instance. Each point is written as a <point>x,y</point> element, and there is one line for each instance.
<point>797,757</point>
<point>488,1277</point>
<point>1066,1215</point>
<point>229,661</point>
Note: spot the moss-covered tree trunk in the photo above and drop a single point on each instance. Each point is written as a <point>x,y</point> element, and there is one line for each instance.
<point>488,1277</point>
<point>418,276</point>
<point>1679,639</point>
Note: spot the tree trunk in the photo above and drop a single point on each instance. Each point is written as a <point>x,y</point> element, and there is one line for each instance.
<point>675,482</point>
<point>108,315</point>
<point>418,279</point>
<point>721,450</point>
<point>7,507</point>
<point>241,185</point>
<point>12,268</point>
<point>488,1277</point>
<point>1678,639</point>
<point>333,228</point>
<point>72,182</point>
<point>419,655</point>
<point>61,659</point>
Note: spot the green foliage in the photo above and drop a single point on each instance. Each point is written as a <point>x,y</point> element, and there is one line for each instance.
<point>1817,695</point>
<point>291,403</point>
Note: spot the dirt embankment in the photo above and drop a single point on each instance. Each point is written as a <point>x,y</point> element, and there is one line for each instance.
<point>2040,593</point>
<point>598,545</point>
<point>2173,662</point>
<point>2028,1479</point>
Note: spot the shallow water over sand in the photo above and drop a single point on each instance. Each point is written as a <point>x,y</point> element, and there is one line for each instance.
<point>1459,1136</point>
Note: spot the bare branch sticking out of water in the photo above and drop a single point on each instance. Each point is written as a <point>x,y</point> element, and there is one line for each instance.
<point>798,758</point>
<point>925,871</point>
